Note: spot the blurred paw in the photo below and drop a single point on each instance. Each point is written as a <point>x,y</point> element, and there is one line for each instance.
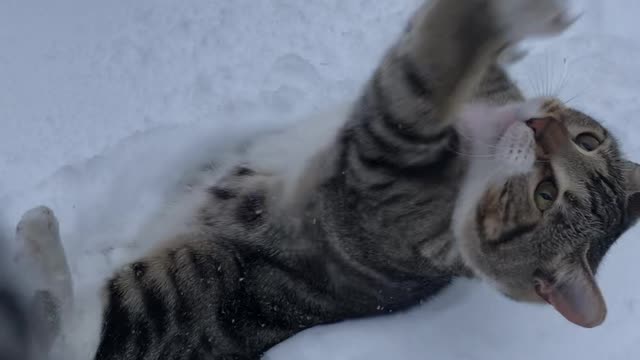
<point>524,19</point>
<point>38,230</point>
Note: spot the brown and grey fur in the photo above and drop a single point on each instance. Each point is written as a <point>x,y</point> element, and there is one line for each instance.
<point>369,227</point>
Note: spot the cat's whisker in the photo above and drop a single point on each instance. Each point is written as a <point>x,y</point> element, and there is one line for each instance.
<point>532,80</point>
<point>549,77</point>
<point>471,139</point>
<point>574,97</point>
<point>493,146</point>
<point>541,73</point>
<point>565,78</point>
<point>547,74</point>
<point>535,80</point>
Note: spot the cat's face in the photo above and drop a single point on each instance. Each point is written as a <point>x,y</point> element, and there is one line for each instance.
<point>537,230</point>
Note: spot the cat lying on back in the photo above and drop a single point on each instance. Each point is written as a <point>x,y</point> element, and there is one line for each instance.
<point>440,169</point>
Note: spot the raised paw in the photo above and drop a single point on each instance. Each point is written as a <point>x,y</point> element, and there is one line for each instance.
<point>50,276</point>
<point>38,231</point>
<point>523,19</point>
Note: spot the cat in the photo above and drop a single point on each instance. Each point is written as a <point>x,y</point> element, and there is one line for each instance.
<point>441,169</point>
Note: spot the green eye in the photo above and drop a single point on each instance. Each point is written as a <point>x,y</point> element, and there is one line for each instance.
<point>546,195</point>
<point>587,142</point>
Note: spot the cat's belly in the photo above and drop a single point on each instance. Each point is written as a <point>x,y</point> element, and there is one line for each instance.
<point>359,288</point>
<point>328,290</point>
<point>388,298</point>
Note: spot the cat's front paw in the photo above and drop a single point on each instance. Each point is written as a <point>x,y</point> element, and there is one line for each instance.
<point>38,231</point>
<point>523,19</point>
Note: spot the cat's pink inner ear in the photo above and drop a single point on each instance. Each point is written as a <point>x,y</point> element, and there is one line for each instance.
<point>578,299</point>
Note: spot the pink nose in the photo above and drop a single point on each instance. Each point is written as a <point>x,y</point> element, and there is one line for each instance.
<point>539,125</point>
<point>551,135</point>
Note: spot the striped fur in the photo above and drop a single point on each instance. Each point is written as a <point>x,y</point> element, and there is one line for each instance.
<point>390,210</point>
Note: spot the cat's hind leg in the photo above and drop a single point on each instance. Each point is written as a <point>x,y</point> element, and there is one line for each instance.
<point>50,276</point>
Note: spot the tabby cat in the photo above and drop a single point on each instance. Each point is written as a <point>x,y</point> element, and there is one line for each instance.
<point>440,169</point>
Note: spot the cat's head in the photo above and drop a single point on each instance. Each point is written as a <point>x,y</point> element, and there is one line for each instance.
<point>543,202</point>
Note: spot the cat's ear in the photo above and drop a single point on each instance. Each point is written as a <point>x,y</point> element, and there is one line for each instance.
<point>576,295</point>
<point>632,183</point>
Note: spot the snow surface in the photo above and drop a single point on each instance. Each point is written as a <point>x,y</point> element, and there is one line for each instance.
<point>100,101</point>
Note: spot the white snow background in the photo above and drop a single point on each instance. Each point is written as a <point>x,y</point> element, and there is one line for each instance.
<point>101,100</point>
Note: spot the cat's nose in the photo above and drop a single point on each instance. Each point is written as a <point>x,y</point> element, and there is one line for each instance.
<point>551,135</point>
<point>539,125</point>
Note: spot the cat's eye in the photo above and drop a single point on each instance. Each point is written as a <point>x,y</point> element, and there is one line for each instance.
<point>588,142</point>
<point>546,195</point>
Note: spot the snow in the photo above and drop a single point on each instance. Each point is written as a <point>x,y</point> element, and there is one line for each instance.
<point>102,101</point>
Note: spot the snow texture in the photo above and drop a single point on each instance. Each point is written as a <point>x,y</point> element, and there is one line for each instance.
<point>101,100</point>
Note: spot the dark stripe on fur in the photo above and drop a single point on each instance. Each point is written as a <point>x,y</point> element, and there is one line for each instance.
<point>512,234</point>
<point>612,188</point>
<point>155,308</point>
<point>381,186</point>
<point>397,127</point>
<point>244,171</point>
<point>504,199</point>
<point>181,309</point>
<point>595,203</point>
<point>204,266</point>
<point>382,144</point>
<point>177,347</point>
<point>436,234</point>
<point>143,338</point>
<point>223,194</point>
<point>116,327</point>
<point>417,84</point>
<point>251,208</point>
<point>606,205</point>
<point>430,168</point>
<point>495,83</point>
<point>345,170</point>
